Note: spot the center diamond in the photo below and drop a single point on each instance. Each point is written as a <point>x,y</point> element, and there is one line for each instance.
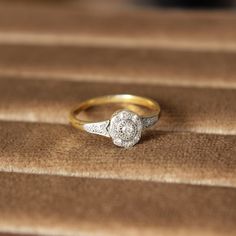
<point>126,130</point>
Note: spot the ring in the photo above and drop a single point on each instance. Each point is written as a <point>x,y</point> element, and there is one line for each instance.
<point>125,126</point>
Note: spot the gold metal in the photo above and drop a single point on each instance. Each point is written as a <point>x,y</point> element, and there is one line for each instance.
<point>111,99</point>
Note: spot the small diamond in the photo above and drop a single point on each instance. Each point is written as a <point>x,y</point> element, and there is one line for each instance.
<point>118,141</point>
<point>135,118</point>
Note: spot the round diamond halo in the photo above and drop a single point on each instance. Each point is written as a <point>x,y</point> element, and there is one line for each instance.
<point>125,128</point>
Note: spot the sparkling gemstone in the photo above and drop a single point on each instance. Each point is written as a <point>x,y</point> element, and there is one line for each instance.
<point>125,128</point>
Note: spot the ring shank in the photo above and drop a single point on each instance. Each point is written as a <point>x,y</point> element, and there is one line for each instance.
<point>111,99</point>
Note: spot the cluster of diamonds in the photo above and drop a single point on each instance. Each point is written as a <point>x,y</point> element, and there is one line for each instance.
<point>125,128</point>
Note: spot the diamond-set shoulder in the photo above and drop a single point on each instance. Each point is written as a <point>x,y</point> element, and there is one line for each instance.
<point>98,128</point>
<point>149,121</point>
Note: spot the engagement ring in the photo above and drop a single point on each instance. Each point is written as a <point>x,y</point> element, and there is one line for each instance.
<point>125,126</point>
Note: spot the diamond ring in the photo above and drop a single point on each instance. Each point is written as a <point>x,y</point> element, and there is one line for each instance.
<point>125,126</point>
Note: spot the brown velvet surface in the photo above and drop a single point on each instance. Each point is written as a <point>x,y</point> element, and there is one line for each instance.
<point>161,156</point>
<point>130,28</point>
<point>55,180</point>
<point>183,109</point>
<point>125,65</point>
<point>80,206</point>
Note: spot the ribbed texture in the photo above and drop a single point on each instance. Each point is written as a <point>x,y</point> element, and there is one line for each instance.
<point>56,180</point>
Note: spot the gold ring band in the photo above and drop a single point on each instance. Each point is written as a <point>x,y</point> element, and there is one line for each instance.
<point>125,126</point>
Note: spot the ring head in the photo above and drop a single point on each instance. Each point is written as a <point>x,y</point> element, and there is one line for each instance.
<point>125,128</point>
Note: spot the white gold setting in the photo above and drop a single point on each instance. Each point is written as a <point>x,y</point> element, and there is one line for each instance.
<point>125,128</point>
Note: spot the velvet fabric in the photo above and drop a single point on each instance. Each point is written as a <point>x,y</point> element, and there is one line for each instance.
<point>56,180</point>
<point>57,205</point>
